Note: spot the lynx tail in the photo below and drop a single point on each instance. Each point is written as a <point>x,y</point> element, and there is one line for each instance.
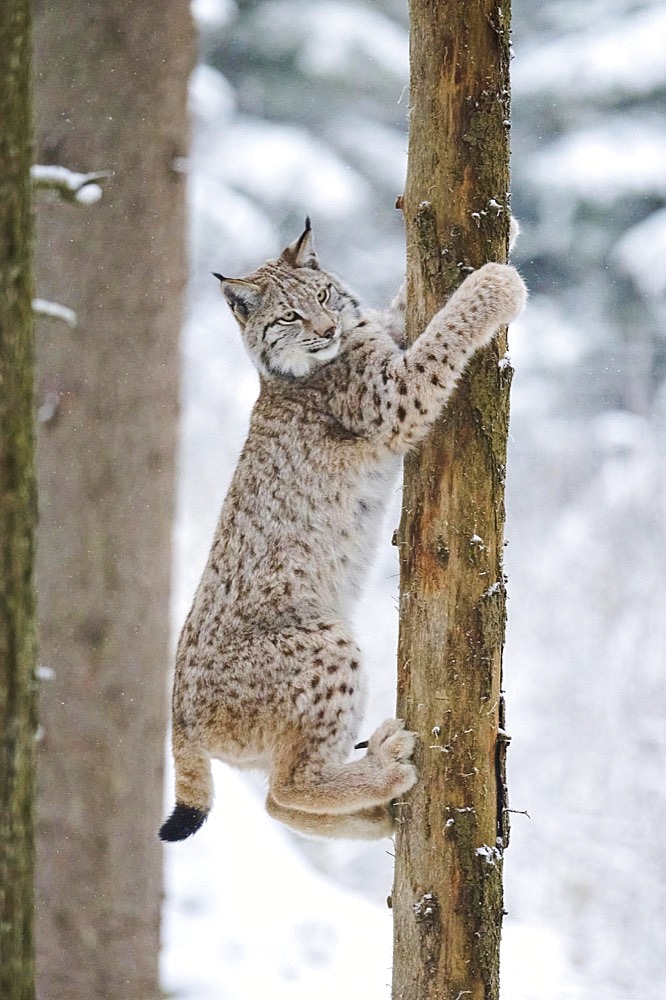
<point>182,823</point>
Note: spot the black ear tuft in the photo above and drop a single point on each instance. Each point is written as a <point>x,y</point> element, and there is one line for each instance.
<point>220,277</point>
<point>301,253</point>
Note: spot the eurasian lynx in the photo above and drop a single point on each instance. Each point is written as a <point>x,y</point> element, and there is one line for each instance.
<point>268,675</point>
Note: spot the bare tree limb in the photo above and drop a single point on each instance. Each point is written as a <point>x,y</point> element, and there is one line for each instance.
<point>54,310</point>
<point>69,184</point>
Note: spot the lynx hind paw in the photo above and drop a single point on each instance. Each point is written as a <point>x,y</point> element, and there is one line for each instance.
<point>392,742</point>
<point>382,818</point>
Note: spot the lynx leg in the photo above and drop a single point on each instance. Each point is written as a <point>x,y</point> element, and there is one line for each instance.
<point>305,778</point>
<point>366,824</point>
<point>194,791</point>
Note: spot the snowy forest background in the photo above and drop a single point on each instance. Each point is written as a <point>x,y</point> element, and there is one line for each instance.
<point>302,108</point>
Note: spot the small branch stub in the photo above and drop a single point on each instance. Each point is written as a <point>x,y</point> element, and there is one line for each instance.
<point>71,185</point>
<point>54,310</point>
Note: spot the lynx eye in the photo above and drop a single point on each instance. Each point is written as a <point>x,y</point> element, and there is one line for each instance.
<point>288,317</point>
<point>323,295</point>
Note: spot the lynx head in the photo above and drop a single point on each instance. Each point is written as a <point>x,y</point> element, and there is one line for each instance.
<point>292,314</point>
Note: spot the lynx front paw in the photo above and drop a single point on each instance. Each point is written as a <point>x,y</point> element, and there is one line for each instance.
<point>504,287</point>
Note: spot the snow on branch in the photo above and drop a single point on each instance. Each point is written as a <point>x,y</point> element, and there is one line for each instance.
<point>73,186</point>
<point>54,310</point>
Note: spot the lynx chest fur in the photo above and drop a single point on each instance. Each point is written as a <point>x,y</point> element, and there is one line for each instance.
<point>268,674</point>
<point>302,514</point>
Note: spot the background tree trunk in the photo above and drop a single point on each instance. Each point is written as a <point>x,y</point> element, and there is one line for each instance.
<point>110,94</point>
<point>17,510</point>
<point>448,883</point>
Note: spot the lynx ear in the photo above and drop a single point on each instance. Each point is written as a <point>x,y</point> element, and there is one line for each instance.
<point>301,253</point>
<point>242,296</point>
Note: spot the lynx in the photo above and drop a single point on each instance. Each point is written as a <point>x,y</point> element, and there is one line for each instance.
<point>268,675</point>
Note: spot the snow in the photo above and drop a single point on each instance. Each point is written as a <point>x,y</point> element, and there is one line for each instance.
<point>381,149</point>
<point>247,917</point>
<point>81,186</point>
<point>285,164</point>
<point>243,233</point>
<point>623,58</point>
<point>212,15</point>
<point>48,408</point>
<point>548,338</point>
<point>491,855</point>
<point>622,156</point>
<point>54,310</point>
<point>535,967</point>
<point>334,38</point>
<point>641,254</point>
<point>211,98</point>
<point>89,194</point>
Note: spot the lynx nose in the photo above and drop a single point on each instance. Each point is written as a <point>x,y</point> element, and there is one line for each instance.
<point>324,329</point>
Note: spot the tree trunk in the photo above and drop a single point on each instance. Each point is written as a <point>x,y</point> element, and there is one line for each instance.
<point>447,895</point>
<point>110,94</point>
<point>17,510</point>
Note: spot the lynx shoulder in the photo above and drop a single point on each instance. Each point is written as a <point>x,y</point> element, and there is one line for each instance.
<point>268,675</point>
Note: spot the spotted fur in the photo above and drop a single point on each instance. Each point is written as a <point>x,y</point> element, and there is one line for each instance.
<point>268,674</point>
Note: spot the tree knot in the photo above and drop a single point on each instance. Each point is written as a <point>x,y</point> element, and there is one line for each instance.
<point>426,909</point>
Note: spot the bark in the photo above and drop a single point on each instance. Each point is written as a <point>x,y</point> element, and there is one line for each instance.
<point>110,83</point>
<point>17,510</point>
<point>447,895</point>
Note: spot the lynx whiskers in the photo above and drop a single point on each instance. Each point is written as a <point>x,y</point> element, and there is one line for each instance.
<point>268,675</point>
